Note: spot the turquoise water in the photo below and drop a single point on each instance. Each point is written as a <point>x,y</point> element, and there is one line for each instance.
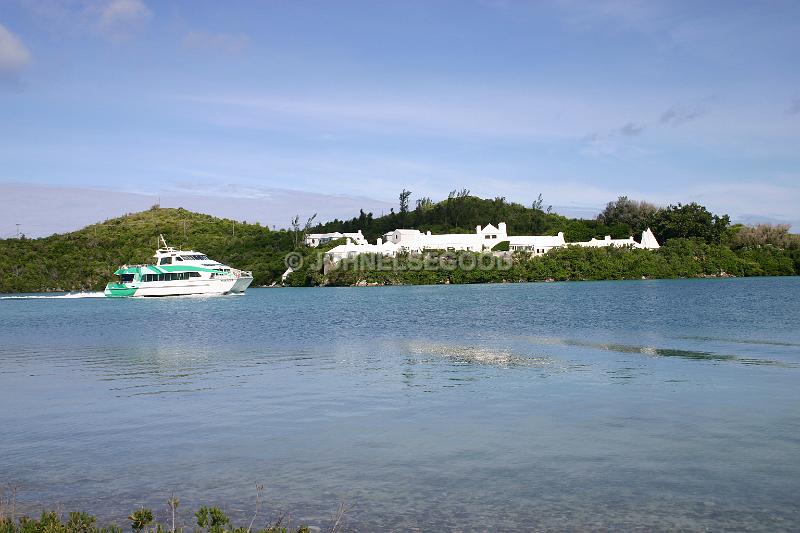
<point>625,405</point>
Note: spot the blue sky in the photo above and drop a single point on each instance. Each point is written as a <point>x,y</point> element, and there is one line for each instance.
<point>581,101</point>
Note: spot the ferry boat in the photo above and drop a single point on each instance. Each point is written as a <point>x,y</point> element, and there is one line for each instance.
<point>178,273</point>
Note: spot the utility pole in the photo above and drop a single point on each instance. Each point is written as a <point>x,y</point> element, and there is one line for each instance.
<point>184,231</point>
<point>234,229</point>
<point>17,231</point>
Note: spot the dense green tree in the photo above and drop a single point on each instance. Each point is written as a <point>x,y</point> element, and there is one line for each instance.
<point>636,215</point>
<point>691,221</point>
<point>764,235</point>
<point>404,196</point>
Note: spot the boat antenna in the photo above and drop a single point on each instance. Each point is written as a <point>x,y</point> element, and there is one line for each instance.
<point>161,239</point>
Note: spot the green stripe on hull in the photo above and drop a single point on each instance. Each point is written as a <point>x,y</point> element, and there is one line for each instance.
<point>152,269</point>
<point>119,290</point>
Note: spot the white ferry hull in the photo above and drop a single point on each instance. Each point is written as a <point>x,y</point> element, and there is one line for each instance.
<point>202,287</point>
<point>191,288</point>
<point>241,284</point>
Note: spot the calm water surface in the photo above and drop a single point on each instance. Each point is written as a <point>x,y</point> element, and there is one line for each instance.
<point>625,405</point>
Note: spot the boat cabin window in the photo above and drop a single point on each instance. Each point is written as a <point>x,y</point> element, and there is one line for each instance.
<point>178,258</point>
<point>165,261</point>
<point>194,274</point>
<point>170,276</point>
<point>196,257</point>
<point>125,278</point>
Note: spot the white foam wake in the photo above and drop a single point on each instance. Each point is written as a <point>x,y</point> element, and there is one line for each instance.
<point>55,296</point>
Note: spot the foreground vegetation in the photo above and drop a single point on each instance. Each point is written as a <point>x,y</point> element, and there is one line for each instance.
<point>142,520</point>
<point>695,243</point>
<point>209,520</point>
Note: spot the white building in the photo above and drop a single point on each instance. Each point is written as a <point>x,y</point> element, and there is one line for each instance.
<point>350,250</point>
<point>536,244</point>
<point>315,239</point>
<point>484,238</point>
<point>648,242</point>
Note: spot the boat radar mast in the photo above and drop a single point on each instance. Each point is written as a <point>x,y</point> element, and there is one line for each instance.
<point>164,242</point>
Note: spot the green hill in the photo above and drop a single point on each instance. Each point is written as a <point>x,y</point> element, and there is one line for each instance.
<point>86,259</point>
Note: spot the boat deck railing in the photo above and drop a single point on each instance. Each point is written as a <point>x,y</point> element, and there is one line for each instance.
<point>241,273</point>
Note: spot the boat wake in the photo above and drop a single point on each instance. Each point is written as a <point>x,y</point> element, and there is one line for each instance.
<point>71,295</point>
<point>478,355</point>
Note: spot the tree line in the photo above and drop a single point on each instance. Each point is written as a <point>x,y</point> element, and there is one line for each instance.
<point>461,212</point>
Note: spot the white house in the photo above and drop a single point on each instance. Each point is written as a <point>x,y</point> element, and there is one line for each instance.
<point>648,242</point>
<point>315,239</point>
<point>607,241</point>
<point>484,238</point>
<point>536,244</point>
<point>350,250</point>
<point>406,237</point>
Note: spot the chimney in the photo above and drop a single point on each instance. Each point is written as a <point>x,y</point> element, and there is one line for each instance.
<point>477,229</point>
<point>502,228</point>
<point>608,237</point>
<point>379,242</point>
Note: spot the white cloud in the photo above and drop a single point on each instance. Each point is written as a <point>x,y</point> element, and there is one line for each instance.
<point>216,42</point>
<point>437,112</point>
<point>120,19</point>
<point>13,54</point>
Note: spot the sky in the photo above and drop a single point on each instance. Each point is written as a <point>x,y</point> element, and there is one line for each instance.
<point>303,106</point>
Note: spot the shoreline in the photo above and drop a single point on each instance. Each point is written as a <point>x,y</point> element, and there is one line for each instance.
<point>364,284</point>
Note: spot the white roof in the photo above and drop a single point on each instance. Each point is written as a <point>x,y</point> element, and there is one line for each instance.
<point>536,240</point>
<point>649,240</point>
<point>608,241</point>
<point>335,234</point>
<point>364,248</point>
<point>454,238</point>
